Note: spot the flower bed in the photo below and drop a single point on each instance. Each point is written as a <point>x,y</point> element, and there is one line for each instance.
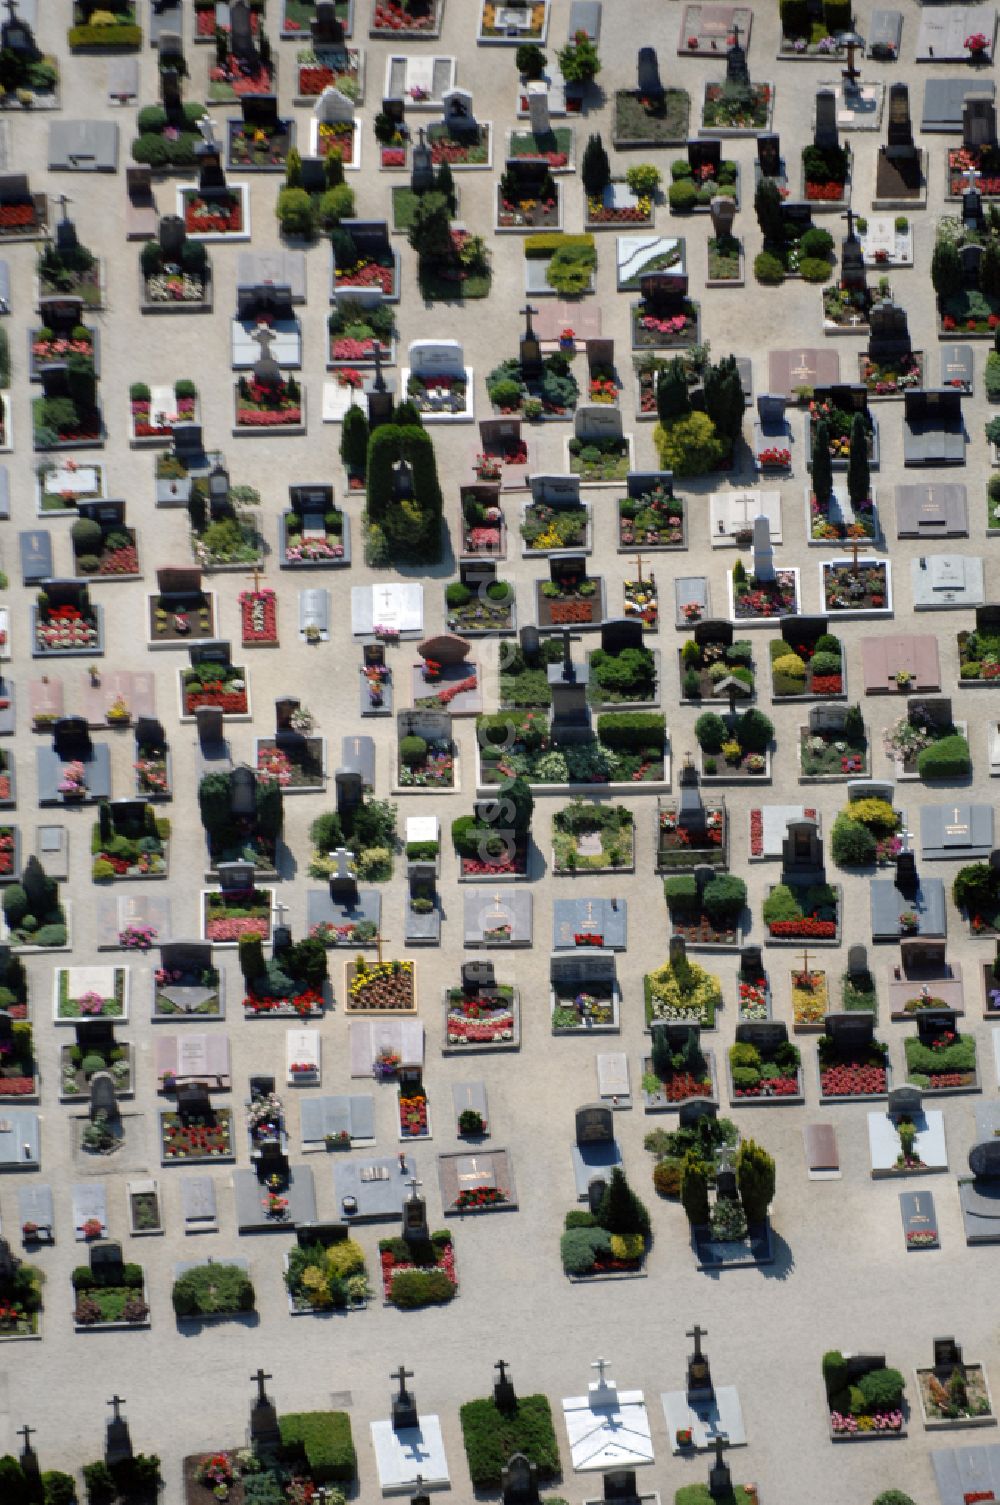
<point>753,995</point>
<point>62,628</point>
<point>809,669</point>
<point>481,1022</point>
<point>544,528</point>
<point>765,1074</point>
<point>91,1005</point>
<point>200,1138</point>
<point>756,600</point>
<point>459,151</point>
<point>577,1011</point>
<point>318,73</point>
<point>654,328</point>
<point>651,121</point>
<point>20,1300</point>
<point>265,407</point>
<point>356,332</point>
<point>358,933</point>
<point>226,919</point>
<point>568,601</point>
<point>411,1281</point>
<point>679,848</point>
<point>833,755</point>
<point>726,110</point>
<point>890,378</point>
<point>963,1397</point>
<point>864,587</point>
<point>682,992</point>
<point>259,148</point>
<point>238,78</point>
<point>863,1074</point>
<point>338,136</point>
<point>432,767</point>
<point>826,522</point>
<point>110,1305</point>
<point>417,16</point>
<point>220,217</point>
<point>655,520</point>
<point>299,766</point>
<point>514,212</point>
<point>326,1277</point>
<point>825,171</point>
<point>947,1064</point>
<point>985,160</point>
<point>680,1076</point>
<point>380,987</point>
<point>794,912</point>
<point>581,826</point>
<point>259,618</point>
<point>221,685</point>
<point>414,1122</point>
<point>527,147</point>
<point>707,665</point>
<point>810,1001</point>
<point>555,394</point>
<point>487,610</point>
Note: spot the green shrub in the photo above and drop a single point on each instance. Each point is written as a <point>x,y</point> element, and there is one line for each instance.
<point>492,1436</point>
<point>710,731</point>
<point>851,843</point>
<point>579,1248</point>
<point>211,1289</point>
<point>781,904</point>
<point>724,897</point>
<point>577,1217</point>
<point>893,1497</point>
<point>324,1437</point>
<point>667,1177</point>
<point>15,904</point>
<point>621,1210</point>
<point>681,893</point>
<point>825,663</point>
<point>882,1388</point>
<point>336,204</point>
<point>816,242</point>
<point>768,269</point>
<point>412,750</point>
<point>58,1488</point>
<point>457,594</point>
<point>754,731</point>
<point>948,759</point>
<point>834,1371</point>
<point>635,730</point>
<point>414,1288</point>
<point>123,34</point>
<point>294,211</point>
<point>682,196</point>
<point>814,269</point>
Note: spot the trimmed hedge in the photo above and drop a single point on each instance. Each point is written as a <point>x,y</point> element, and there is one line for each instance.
<point>548,242</point>
<point>125,34</point>
<point>211,1290</point>
<point>325,1439</point>
<point>413,1288</point>
<point>948,759</point>
<point>490,1437</point>
<point>631,729</point>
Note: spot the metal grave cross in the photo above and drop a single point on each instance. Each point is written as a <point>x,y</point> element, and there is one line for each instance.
<point>697,1333</point>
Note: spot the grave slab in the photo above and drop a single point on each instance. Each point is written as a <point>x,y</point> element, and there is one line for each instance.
<point>733,512</point>
<point>193,1056</point>
<point>638,255</point>
<point>692,600</point>
<point>887,904</point>
<point>822,1156</point>
<point>787,370</point>
<point>883,656</point>
<point>90,1200</point>
<point>468,1170</point>
<point>83,146</point>
<point>884,1146</point>
<point>613,1084</point>
<point>916,1209</point>
<point>944,28</point>
<point>378,1187</point>
<point>607,918</point>
<point>251,1196</point>
<point>721,1417</point>
<point>885,31</point>
<point>944,101</point>
<point>964,1472</point>
<point>712,28</point>
<point>341,1114</point>
<point>858,108</point>
<point>398,606</point>
<point>934,510</point>
<point>282,268</point>
<point>957,832</point>
<point>883,246</point>
<point>946,582</point>
<point>409,1457</point>
<point>471,1097</point>
<point>612,1433</point>
<point>199,1204</point>
<point>116,912</point>
<point>35,1205</point>
<point>486,911</point>
<point>592,1160</point>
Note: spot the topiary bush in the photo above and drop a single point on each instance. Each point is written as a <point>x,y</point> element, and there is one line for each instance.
<point>948,759</point>
<point>882,1388</point>
<point>813,269</point>
<point>767,268</point>
<point>710,731</point>
<point>851,843</point>
<point>412,751</point>
<point>682,196</point>
<point>724,898</point>
<point>415,1288</point>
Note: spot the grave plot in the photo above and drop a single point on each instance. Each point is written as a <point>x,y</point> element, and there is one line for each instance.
<point>924,979</point>
<point>512,24</point>
<point>357,330</point>
<point>651,516</point>
<point>906,1141</point>
<point>691,599</point>
<point>376,681</point>
<point>927,744</point>
<point>864,1398</point>
<point>953,1393</point>
<point>243,67</point>
<point>650,115</point>
<point>60,488</point>
<point>459,138</point>
<point>129,841</point>
<point>290,985</point>
<point>580,924</point>
<point>734,748</point>
<point>213,682</point>
<point>533,386</point>
<point>495,841</point>
<point>570,597</point>
<point>764,1066</point>
<point>900,664</point>
<point>328,62</point>
<point>704,176</point>
<point>337,1123</point>
<point>300,16</point>
<point>413,1114</point>
<point>908,905</point>
<point>807,662</point>
<point>612,201</point>
<point>90,993</point>
<point>186,985</point>
<point>677,1071</point>
<point>803,906</point>
<point>527,197</point>
<point>481,1015</point>
<point>964,301</point>
<point>891,368</point>
<point>584,994</point>
<point>20,1299</point>
<point>419,19</point>
<point>20,1076</point>
<point>90,1211</point>
<point>593,838</point>
<point>851,1062</point>
<point>886,241</point>
<point>342,914</point>
<point>681,992</point>
<point>23,214</point>
<point>497,919</point>
<point>957,33</point>
<point>324,1275</point>
<point>762,594</point>
<point>810,1000</point>
<point>259,618</point>
<point>438,382</point>
<point>826,165</point>
<point>768,829</point>
<point>379,987</point>
<point>109,1293</point>
<point>715,665</point>
<point>187,1058</point>
<point>753,990</point>
<point>736,106</point>
<point>479,604</point>
<point>861,588</point>
<point>706,908</point>
<point>943,582</point>
<point>420,81</point>
<point>834,745</point>
<point>215,210</point>
<point>502,462</point>
<point>940,1061</point>
<point>296,759</point>
<point>175,276</point>
<point>214,1290</point>
<point>104,547</point>
<point>51,933</point>
<point>418,1271</point>
<point>555,145</point>
<point>180,612</point>
<point>664,318</point>
<point>427,756</point>
<point>144,1208</point>
<point>555,521</point>
<point>229,914</point>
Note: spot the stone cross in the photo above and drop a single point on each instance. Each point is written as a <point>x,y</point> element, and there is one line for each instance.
<point>26,1431</point>
<point>721,1443</point>
<point>260,1377</point>
<point>280,910</point>
<point>117,1401</point>
<point>206,126</point>
<point>402,1375</point>
<point>697,1333</point>
<point>971,176</point>
<point>569,638</point>
<point>855,546</point>
<point>379,383</point>
<point>849,216</point>
<point>63,200</point>
<point>413,1184</point>
<point>265,338</point>
<point>527,310</point>
<point>11,8</point>
<point>502,1364</point>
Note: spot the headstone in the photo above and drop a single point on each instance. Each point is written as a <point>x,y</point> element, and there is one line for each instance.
<point>763,553</point>
<point>984,1160</point>
<point>620,1487</point>
<point>327,30</point>
<point>538,108</point>
<point>723,212</point>
<point>106,1262</point>
<point>857,961</point>
<point>720,1481</point>
<point>422,168</point>
<point>415,1227</point>
<point>241,41</point>
<point>648,74</point>
<point>519,1481</point>
<point>825,133</point>
<point>769,155</point>
<point>595,1125</point>
<point>529,348</point>
<point>404,1405</point>
<point>102,1097</point>
<point>737,72</point>
<point>904,1101</point>
<point>699,1387</point>
<point>899,128</point>
<point>947,1354</point>
<point>979,121</point>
